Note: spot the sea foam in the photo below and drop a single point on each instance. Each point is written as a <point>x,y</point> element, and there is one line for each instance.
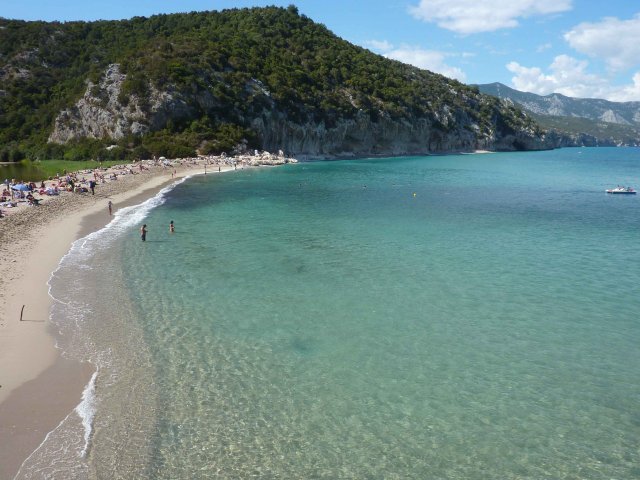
<point>72,310</point>
<point>86,410</point>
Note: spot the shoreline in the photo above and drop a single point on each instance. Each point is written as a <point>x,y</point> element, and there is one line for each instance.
<point>38,386</point>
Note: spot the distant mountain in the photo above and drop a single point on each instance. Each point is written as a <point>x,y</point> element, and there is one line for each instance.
<point>610,123</point>
<point>205,82</point>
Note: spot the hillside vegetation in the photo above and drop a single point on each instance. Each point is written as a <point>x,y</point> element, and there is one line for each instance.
<point>209,82</point>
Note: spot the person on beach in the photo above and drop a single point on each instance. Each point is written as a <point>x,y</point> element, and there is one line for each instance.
<point>172,228</point>
<point>143,232</point>
<point>110,208</point>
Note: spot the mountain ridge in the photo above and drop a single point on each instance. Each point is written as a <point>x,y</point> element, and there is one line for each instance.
<point>206,82</point>
<point>610,123</point>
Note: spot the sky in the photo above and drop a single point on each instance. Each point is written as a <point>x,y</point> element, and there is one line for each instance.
<point>580,48</point>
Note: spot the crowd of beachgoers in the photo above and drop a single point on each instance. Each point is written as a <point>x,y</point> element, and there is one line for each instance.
<point>18,194</point>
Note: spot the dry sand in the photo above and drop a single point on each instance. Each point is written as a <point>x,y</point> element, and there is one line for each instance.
<point>38,388</point>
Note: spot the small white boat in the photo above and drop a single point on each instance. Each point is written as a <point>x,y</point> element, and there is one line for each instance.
<point>623,190</point>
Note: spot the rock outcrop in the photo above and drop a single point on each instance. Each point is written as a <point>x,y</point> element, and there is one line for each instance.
<point>99,113</point>
<point>102,112</point>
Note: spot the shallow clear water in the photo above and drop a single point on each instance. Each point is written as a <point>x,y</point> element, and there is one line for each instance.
<point>469,316</point>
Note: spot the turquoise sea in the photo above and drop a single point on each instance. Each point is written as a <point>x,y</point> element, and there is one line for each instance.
<point>440,317</point>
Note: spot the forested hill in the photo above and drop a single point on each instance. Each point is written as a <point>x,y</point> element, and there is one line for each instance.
<point>208,82</point>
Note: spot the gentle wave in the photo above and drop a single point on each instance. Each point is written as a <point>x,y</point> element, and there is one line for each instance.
<point>69,314</point>
<point>123,219</point>
<point>86,410</point>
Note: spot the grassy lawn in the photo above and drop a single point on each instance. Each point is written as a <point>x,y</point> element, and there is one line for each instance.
<point>52,167</point>
<point>41,170</point>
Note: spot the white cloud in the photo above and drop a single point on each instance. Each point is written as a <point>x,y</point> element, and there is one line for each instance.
<point>426,59</point>
<point>432,60</point>
<point>474,16</point>
<point>569,76</point>
<point>542,48</point>
<point>627,93</point>
<point>615,41</point>
<point>381,45</point>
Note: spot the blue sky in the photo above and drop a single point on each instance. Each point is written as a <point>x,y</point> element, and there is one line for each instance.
<point>581,48</point>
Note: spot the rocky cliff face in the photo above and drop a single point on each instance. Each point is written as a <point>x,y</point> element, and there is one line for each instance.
<point>103,113</point>
<point>361,136</point>
<point>563,139</point>
<point>357,137</point>
<point>99,114</point>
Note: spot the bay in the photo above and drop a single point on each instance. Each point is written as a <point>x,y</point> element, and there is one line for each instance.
<point>461,316</point>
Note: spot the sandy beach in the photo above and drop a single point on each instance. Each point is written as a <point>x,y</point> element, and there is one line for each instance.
<point>38,387</point>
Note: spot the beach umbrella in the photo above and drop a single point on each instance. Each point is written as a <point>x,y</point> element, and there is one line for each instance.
<point>21,187</point>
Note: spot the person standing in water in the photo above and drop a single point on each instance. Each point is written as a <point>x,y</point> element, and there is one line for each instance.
<point>172,228</point>
<point>143,232</point>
